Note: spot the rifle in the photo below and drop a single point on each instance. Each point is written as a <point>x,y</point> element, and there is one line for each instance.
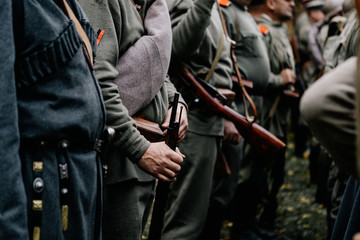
<point>259,138</point>
<point>163,188</point>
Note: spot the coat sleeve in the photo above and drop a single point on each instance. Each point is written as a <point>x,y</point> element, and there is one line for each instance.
<point>189,22</point>
<point>148,58</point>
<point>13,219</point>
<point>105,16</point>
<point>328,107</point>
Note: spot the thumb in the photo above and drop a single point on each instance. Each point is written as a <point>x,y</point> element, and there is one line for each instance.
<point>166,122</point>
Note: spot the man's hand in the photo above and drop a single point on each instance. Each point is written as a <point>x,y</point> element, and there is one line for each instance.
<point>183,122</point>
<point>161,162</point>
<point>231,134</point>
<point>288,75</point>
<point>356,236</point>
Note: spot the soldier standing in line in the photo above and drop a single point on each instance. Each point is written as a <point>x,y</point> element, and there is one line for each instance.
<point>328,107</point>
<point>338,48</point>
<point>52,119</point>
<point>331,104</point>
<point>131,67</point>
<point>271,16</point>
<point>306,66</point>
<point>198,37</point>
<point>319,32</point>
<point>306,69</point>
<point>242,186</point>
<point>320,162</point>
<point>342,46</point>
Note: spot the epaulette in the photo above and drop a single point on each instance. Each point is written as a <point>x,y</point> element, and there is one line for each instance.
<point>263,29</point>
<point>224,3</point>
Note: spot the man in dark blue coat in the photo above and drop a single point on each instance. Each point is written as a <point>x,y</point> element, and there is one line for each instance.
<point>52,119</point>
<point>12,207</point>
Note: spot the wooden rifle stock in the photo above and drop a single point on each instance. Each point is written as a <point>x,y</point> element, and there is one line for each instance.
<point>163,188</point>
<point>150,130</point>
<point>259,138</point>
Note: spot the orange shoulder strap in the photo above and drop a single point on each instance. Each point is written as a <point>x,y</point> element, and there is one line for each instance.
<point>264,30</point>
<point>224,3</point>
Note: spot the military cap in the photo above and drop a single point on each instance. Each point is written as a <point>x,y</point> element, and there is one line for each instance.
<point>348,5</point>
<point>313,4</point>
<point>332,7</point>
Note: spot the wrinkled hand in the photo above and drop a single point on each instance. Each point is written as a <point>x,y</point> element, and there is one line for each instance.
<point>288,76</point>
<point>161,162</point>
<point>183,121</point>
<point>231,134</point>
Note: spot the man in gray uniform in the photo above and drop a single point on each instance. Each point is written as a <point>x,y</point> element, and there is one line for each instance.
<point>131,67</point>
<point>254,66</point>
<point>197,36</point>
<point>275,112</point>
<point>51,123</point>
<point>337,49</point>
<point>307,68</point>
<point>328,107</point>
<point>343,46</point>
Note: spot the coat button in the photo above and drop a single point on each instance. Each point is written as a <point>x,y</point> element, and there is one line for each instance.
<point>38,185</point>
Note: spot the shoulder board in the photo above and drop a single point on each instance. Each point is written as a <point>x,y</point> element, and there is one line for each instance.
<point>224,3</point>
<point>263,29</point>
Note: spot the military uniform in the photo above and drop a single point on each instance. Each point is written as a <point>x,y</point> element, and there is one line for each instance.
<point>274,116</point>
<point>306,70</point>
<point>197,34</point>
<point>337,49</point>
<point>55,116</point>
<point>343,46</point>
<point>251,56</point>
<point>337,107</point>
<point>136,45</point>
<point>311,69</point>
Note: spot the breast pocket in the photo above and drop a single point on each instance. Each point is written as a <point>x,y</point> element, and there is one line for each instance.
<point>246,43</point>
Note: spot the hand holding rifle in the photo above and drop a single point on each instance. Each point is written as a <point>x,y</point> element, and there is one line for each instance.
<point>163,159</point>
<point>162,189</point>
<point>182,116</point>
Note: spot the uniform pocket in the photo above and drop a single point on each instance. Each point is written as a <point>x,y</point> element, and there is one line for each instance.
<point>245,45</point>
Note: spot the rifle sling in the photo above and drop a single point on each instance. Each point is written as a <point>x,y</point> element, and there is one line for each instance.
<point>244,93</point>
<point>216,59</point>
<point>70,14</point>
<point>274,106</point>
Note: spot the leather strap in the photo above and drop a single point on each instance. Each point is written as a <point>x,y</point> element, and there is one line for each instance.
<point>80,30</point>
<point>63,161</point>
<point>274,106</point>
<point>216,59</point>
<point>244,93</point>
